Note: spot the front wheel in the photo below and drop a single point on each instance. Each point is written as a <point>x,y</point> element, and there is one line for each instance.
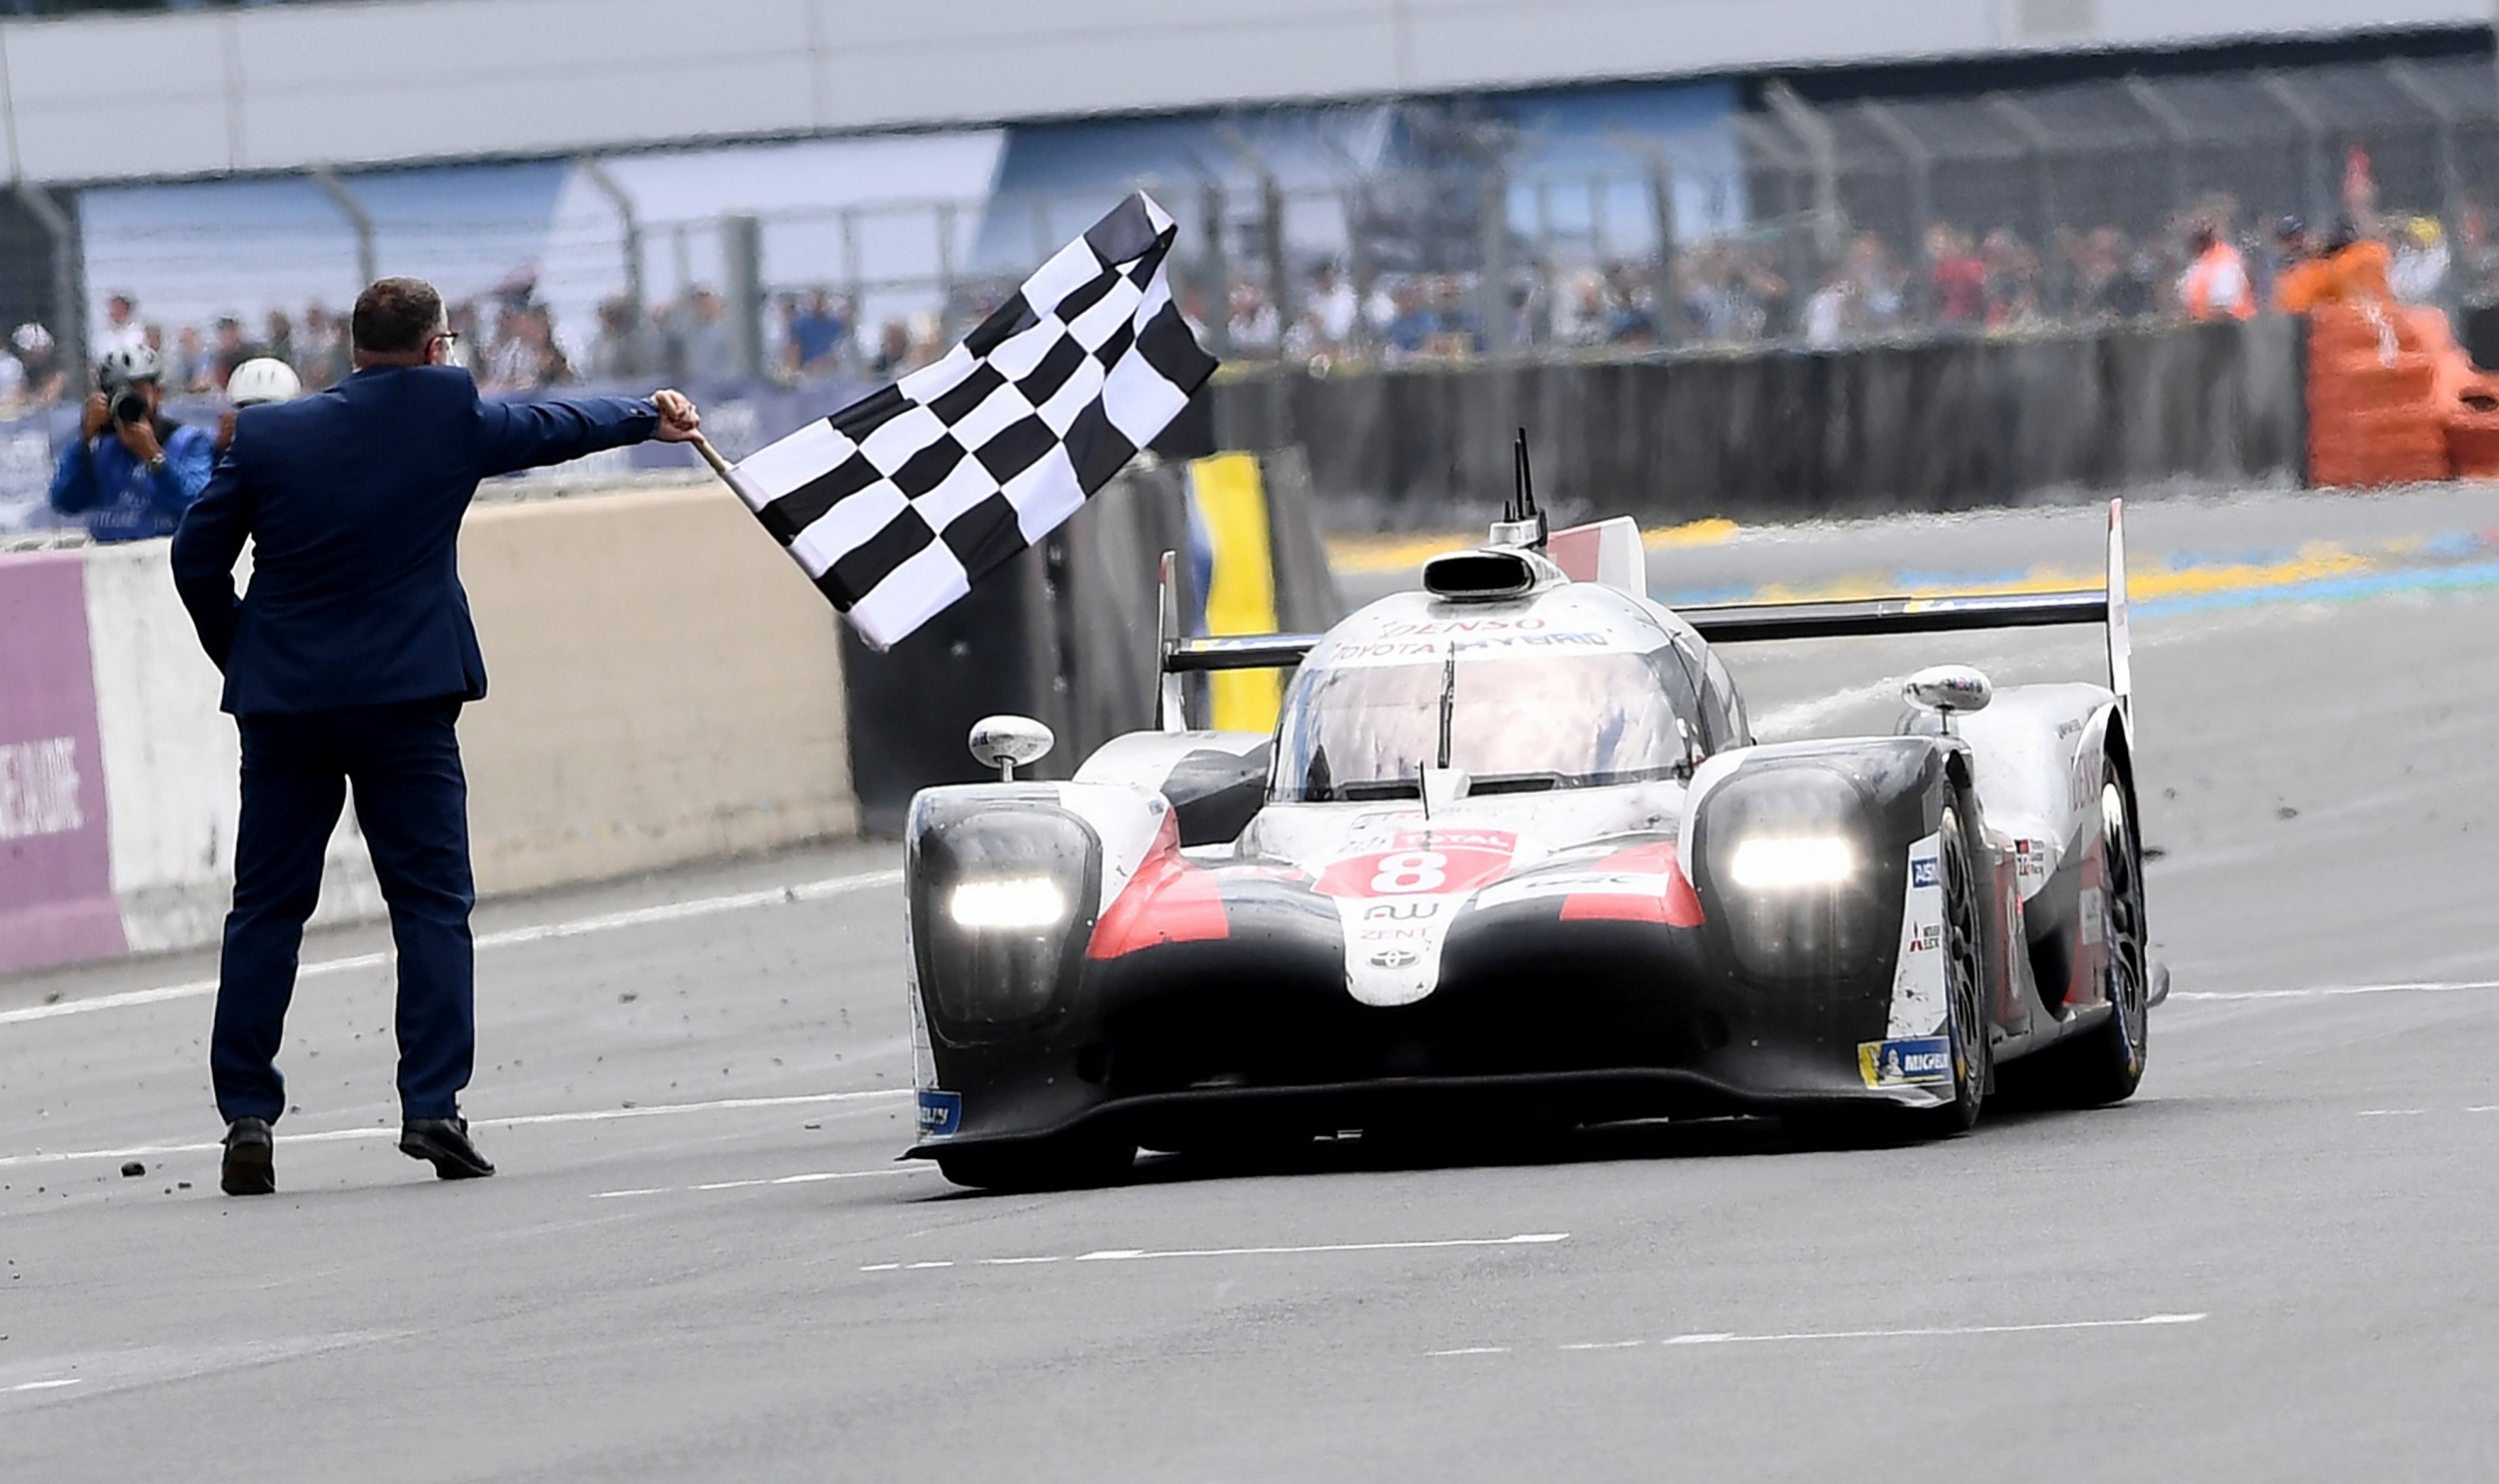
<point>1965,985</point>
<point>1965,1021</point>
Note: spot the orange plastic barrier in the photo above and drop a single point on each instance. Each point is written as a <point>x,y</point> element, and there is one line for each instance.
<point>2392,399</point>
<point>2473,445</point>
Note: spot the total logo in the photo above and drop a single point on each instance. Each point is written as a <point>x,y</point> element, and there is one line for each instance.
<point>1423,863</point>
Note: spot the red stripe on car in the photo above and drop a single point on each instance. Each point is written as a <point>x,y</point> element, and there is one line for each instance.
<point>1674,903</point>
<point>1170,899</point>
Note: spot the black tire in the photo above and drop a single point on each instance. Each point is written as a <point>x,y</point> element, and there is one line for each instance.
<point>1965,982</point>
<point>1067,1163</point>
<point>2105,1063</point>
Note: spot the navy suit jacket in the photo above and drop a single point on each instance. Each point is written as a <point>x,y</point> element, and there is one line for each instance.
<point>352,499</point>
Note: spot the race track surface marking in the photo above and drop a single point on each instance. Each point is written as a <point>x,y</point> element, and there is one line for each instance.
<point>1130,1255</point>
<point>523,1121</point>
<point>813,1177</point>
<point>672,911</point>
<point>1954,1331</point>
<point>2336,991</point>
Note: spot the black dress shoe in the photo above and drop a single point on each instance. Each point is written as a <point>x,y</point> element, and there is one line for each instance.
<point>250,1168</point>
<point>445,1142</point>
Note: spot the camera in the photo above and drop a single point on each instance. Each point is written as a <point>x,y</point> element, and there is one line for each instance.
<point>130,405</point>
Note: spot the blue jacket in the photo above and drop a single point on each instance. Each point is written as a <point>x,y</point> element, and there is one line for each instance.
<point>352,499</point>
<point>96,478</point>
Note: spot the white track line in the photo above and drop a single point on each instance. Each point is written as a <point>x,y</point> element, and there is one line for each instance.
<point>1936,1332</point>
<point>674,912</point>
<point>2338,991</point>
<point>1135,1254</point>
<point>523,1121</point>
<point>813,1177</point>
<point>1805,1336</point>
<point>45,1386</point>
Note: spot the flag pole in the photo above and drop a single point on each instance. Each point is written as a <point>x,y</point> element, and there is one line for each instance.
<point>711,456</point>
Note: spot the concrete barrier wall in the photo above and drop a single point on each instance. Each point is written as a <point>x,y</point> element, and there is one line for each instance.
<point>666,688</point>
<point>663,686</point>
<point>169,760</point>
<point>1935,425</point>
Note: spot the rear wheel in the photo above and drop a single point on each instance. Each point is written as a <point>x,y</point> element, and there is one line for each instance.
<point>1063,1162</point>
<point>2105,1063</point>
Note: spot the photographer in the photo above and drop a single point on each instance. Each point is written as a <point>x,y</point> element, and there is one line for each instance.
<point>132,472</point>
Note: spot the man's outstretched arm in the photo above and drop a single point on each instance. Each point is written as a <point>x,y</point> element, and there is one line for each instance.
<point>526,435</point>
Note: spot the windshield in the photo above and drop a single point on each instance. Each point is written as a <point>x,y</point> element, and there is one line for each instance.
<point>1516,724</point>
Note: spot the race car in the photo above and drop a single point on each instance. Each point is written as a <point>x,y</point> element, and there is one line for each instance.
<point>1512,858</point>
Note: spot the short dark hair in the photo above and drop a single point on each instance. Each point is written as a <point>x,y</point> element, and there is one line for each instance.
<point>395,316</point>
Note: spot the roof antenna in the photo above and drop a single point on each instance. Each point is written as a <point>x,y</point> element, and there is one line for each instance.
<point>1523,524</point>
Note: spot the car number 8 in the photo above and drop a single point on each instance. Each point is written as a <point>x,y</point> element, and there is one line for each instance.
<point>1416,871</point>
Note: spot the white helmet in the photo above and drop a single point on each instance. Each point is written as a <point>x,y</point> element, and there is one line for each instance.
<point>124,365</point>
<point>266,378</point>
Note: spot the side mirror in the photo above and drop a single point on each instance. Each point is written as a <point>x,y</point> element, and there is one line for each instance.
<point>1010,743</point>
<point>1946,689</point>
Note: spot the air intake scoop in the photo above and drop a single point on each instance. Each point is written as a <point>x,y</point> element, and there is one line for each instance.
<point>1486,575</point>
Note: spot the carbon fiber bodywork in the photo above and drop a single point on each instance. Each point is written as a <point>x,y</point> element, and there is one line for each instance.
<point>1583,1019</point>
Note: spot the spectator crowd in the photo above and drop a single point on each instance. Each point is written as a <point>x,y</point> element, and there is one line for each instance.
<point>1796,282</point>
<point>510,338</point>
<point>1806,283</point>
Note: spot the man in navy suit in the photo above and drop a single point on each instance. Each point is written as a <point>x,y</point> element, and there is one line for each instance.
<point>346,665</point>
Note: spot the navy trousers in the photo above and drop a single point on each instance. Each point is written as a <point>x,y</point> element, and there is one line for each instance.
<point>413,801</point>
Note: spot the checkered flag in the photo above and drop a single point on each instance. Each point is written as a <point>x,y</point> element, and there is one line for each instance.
<point>898,503</point>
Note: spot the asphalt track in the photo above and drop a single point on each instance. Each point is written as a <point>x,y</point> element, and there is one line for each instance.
<point>701,1262</point>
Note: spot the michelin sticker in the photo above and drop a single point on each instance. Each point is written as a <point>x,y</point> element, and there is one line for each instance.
<point>1919,1062</point>
<point>940,1113</point>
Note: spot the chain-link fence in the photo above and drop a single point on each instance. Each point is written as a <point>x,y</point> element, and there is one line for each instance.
<point>1833,222</point>
<point>1868,218</point>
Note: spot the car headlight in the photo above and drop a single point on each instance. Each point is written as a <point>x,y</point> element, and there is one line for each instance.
<point>1790,873</point>
<point>1776,862</point>
<point>1002,895</point>
<point>1008,903</point>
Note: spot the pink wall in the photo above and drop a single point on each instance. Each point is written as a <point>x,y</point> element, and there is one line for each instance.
<point>56,872</point>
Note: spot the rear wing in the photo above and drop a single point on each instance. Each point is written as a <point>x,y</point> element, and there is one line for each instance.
<point>1740,623</point>
<point>1753,623</point>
